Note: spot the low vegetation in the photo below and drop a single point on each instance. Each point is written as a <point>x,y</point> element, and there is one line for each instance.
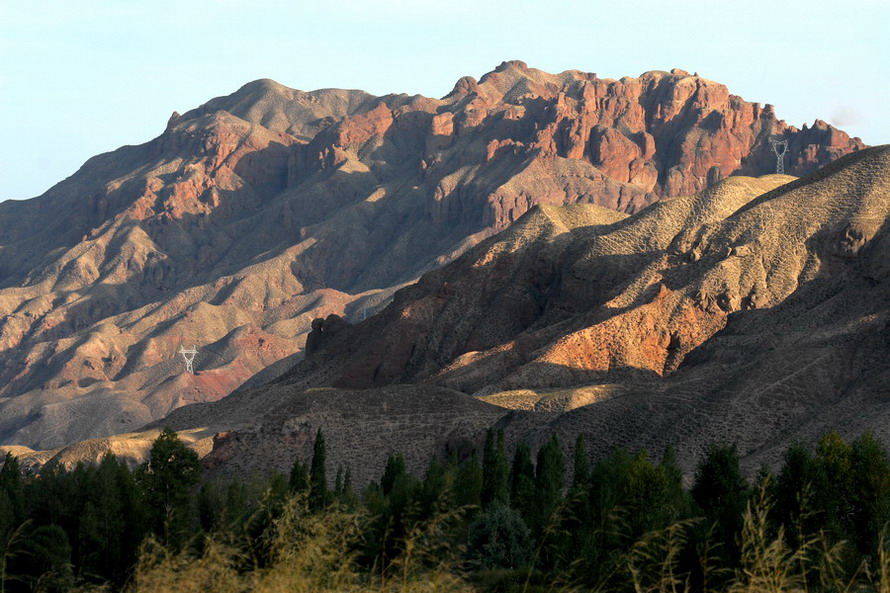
<point>536,522</point>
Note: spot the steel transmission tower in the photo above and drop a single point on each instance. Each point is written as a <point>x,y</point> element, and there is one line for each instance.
<point>780,147</point>
<point>189,356</point>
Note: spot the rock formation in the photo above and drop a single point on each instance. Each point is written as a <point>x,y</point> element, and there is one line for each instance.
<point>257,212</point>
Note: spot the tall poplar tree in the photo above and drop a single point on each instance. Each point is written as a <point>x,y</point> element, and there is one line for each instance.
<point>522,481</point>
<point>495,470</point>
<point>167,480</point>
<point>549,480</point>
<point>318,481</point>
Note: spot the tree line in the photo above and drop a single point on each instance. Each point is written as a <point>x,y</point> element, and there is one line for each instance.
<point>494,520</point>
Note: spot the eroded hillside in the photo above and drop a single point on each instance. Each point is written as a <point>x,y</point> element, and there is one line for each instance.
<point>756,311</point>
<point>257,212</point>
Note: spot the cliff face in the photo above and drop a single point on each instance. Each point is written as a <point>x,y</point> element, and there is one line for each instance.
<point>257,212</point>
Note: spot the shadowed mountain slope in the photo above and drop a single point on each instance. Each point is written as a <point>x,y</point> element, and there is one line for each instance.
<point>752,312</point>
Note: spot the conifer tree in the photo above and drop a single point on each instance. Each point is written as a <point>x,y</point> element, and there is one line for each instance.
<point>499,539</point>
<point>549,480</point>
<point>11,485</point>
<point>235,505</point>
<point>348,497</point>
<point>338,482</point>
<point>392,473</point>
<point>488,461</point>
<point>832,489</point>
<point>581,466</point>
<point>522,481</point>
<point>209,506</point>
<point>722,492</point>
<point>870,492</point>
<point>468,484</point>
<point>436,488</point>
<point>298,480</point>
<point>103,523</point>
<point>793,491</point>
<point>45,560</point>
<point>495,470</point>
<point>318,481</point>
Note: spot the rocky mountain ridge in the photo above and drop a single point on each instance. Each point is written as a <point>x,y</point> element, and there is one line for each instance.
<point>255,213</point>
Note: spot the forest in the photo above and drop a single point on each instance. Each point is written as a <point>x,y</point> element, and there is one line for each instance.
<point>492,521</point>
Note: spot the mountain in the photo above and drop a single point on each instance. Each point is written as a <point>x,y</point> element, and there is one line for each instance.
<point>756,311</point>
<point>258,212</point>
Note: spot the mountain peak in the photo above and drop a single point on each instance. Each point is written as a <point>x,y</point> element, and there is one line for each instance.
<point>507,64</point>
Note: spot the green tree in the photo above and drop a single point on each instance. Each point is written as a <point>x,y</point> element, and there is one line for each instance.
<point>549,481</point>
<point>650,496</point>
<point>576,522</point>
<point>45,560</point>
<point>51,498</point>
<point>721,491</point>
<point>318,481</point>
<point>522,482</point>
<point>870,492</point>
<point>499,538</point>
<point>832,489</point>
<point>12,511</point>
<point>580,466</point>
<point>628,497</point>
<point>298,480</point>
<point>495,470</point>
<point>12,547</point>
<point>235,507</point>
<point>338,482</point>
<point>112,523</point>
<point>468,483</point>
<point>11,484</point>
<point>8,521</point>
<point>348,496</point>
<point>259,522</point>
<point>392,509</point>
<point>793,493</point>
<point>392,473</point>
<point>436,490</point>
<point>167,480</point>
<point>209,506</point>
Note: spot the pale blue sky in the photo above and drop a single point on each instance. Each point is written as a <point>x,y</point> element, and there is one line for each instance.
<point>80,77</point>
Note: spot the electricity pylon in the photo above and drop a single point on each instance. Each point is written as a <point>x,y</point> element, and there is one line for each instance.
<point>780,147</point>
<point>189,356</point>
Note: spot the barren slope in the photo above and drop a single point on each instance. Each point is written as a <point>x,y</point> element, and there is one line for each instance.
<point>254,432</point>
<point>750,312</point>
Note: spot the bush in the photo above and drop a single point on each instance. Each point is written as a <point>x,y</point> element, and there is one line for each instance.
<point>499,538</point>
